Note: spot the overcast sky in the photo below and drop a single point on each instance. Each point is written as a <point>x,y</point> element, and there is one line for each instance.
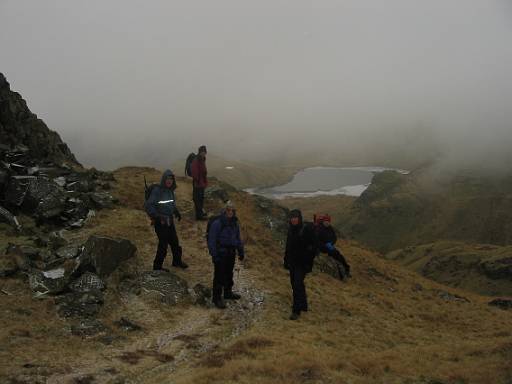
<point>141,81</point>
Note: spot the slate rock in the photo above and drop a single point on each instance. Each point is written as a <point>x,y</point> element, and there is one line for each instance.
<point>79,304</point>
<point>103,255</point>
<point>172,288</point>
<point>53,280</point>
<point>87,282</point>
<point>68,252</point>
<point>17,189</point>
<point>201,295</point>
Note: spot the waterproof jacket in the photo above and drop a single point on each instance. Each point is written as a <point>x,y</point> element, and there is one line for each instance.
<point>161,204</point>
<point>199,172</point>
<point>325,235</point>
<point>301,246</point>
<point>224,237</point>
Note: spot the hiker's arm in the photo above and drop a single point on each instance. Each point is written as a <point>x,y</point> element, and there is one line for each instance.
<point>240,245</point>
<point>286,261</point>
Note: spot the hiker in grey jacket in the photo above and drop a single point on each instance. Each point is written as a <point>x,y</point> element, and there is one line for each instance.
<point>161,207</point>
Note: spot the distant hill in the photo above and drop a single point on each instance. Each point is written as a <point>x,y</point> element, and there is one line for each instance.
<point>423,207</point>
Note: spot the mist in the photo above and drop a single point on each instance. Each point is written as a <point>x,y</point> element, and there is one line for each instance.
<point>393,83</point>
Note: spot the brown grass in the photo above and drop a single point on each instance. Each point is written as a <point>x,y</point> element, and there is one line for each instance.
<point>379,327</point>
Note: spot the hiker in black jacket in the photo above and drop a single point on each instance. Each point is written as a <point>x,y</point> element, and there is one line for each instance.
<point>301,248</point>
<point>326,242</point>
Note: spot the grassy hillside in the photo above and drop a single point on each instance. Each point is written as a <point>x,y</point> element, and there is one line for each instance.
<point>401,210</point>
<point>385,325</point>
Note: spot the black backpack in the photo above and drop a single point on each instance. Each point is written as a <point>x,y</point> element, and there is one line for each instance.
<point>148,189</point>
<point>188,164</point>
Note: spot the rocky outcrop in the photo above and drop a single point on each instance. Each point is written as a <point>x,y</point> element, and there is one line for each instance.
<point>20,128</point>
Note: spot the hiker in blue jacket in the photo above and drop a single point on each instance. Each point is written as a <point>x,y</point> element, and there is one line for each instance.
<point>223,243</point>
<point>161,208</point>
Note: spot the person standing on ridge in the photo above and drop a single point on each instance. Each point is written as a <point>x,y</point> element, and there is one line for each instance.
<point>199,182</point>
<point>300,251</point>
<point>161,208</point>
<point>224,241</point>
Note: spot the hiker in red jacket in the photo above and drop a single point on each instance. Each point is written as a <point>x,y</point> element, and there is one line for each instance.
<point>199,182</point>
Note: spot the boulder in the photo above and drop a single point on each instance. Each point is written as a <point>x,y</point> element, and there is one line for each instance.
<point>102,200</point>
<point>56,240</point>
<point>79,304</point>
<point>53,280</point>
<point>216,193</point>
<point>172,289</point>
<point>68,252</point>
<point>330,266</point>
<point>103,255</point>
<point>87,282</point>
<point>17,189</point>
<point>201,295</point>
<point>44,198</point>
<point>498,268</point>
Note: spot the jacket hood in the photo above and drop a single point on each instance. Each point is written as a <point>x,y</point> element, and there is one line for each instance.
<point>295,213</point>
<point>167,173</point>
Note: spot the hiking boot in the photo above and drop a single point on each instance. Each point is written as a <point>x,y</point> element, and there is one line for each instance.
<point>181,264</point>
<point>232,296</point>
<point>294,316</point>
<point>219,303</point>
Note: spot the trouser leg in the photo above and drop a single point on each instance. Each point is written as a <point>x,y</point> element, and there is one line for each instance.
<point>228,272</point>
<point>218,280</point>
<point>297,275</point>
<point>198,197</point>
<point>163,241</point>
<point>337,255</point>
<point>174,243</point>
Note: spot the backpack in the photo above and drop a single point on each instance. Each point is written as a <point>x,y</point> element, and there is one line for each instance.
<point>148,189</point>
<point>210,222</point>
<point>188,164</point>
<point>319,217</point>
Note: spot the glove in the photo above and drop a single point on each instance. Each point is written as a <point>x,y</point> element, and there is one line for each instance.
<point>329,246</point>
<point>241,256</point>
<point>177,215</point>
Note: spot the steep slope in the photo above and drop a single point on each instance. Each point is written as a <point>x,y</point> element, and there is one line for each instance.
<point>386,325</point>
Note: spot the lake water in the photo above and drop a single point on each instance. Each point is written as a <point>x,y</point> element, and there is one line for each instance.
<point>318,181</point>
